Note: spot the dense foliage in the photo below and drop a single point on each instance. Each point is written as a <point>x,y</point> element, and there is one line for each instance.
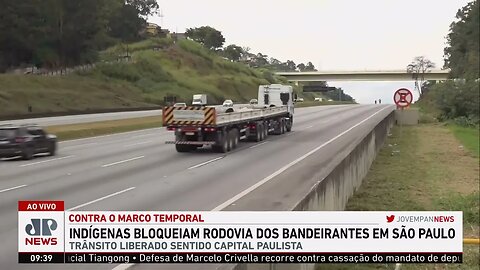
<point>209,37</point>
<point>59,33</point>
<point>459,99</point>
<point>462,52</point>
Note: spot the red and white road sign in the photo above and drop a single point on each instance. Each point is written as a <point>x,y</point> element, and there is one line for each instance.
<point>403,97</point>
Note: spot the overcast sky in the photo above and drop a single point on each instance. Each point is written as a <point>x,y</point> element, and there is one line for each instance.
<point>332,34</point>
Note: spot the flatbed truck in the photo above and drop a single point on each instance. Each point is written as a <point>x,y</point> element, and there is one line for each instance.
<point>198,126</point>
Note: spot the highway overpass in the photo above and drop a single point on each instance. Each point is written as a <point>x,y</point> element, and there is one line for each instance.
<point>382,75</point>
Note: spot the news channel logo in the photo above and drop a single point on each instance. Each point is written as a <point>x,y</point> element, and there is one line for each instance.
<point>41,226</point>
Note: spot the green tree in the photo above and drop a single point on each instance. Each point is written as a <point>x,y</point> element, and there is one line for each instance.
<point>207,36</point>
<point>290,65</point>
<point>260,60</point>
<point>418,67</point>
<point>21,31</point>
<point>145,8</point>
<point>462,52</point>
<point>233,52</point>
<point>246,54</point>
<point>59,33</point>
<point>310,67</point>
<point>457,99</point>
<point>301,67</point>
<point>126,24</point>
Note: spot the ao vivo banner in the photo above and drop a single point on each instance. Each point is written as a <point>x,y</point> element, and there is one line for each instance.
<point>47,235</point>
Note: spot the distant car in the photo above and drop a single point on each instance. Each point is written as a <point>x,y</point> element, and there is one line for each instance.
<point>318,99</point>
<point>25,141</point>
<point>300,100</point>
<point>180,104</point>
<point>253,101</point>
<point>228,103</point>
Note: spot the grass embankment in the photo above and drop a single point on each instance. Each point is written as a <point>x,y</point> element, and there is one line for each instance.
<point>76,131</point>
<point>421,168</point>
<point>64,93</point>
<point>157,68</point>
<point>468,136</point>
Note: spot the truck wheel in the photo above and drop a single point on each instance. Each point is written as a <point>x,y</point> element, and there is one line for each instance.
<point>259,133</point>
<point>183,148</point>
<point>282,126</point>
<point>222,146</point>
<point>235,138</point>
<point>289,125</point>
<point>265,130</point>
<point>262,133</point>
<point>231,140</point>
<point>278,127</point>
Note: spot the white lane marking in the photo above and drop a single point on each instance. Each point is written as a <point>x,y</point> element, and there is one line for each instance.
<point>101,199</point>
<point>12,188</point>
<point>205,163</point>
<point>139,143</point>
<point>284,168</point>
<point>308,127</point>
<point>79,145</point>
<point>257,145</point>
<point>121,161</point>
<point>45,161</point>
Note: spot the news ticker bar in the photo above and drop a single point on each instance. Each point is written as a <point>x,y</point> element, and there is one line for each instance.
<point>109,258</point>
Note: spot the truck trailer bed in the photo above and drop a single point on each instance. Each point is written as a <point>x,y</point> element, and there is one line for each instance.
<point>209,117</point>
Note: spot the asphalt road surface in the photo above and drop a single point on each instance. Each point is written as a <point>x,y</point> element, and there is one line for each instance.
<point>82,118</point>
<point>137,171</point>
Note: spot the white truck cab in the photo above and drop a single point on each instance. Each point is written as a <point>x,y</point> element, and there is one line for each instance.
<point>276,95</point>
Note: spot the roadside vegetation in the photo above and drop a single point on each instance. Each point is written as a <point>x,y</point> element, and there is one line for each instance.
<point>76,131</point>
<point>457,101</point>
<point>180,70</point>
<point>116,59</point>
<point>422,168</point>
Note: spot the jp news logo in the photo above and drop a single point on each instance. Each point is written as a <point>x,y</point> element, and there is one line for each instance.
<point>40,231</point>
<point>43,227</point>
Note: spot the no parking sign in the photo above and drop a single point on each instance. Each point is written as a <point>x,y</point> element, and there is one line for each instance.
<point>403,97</point>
